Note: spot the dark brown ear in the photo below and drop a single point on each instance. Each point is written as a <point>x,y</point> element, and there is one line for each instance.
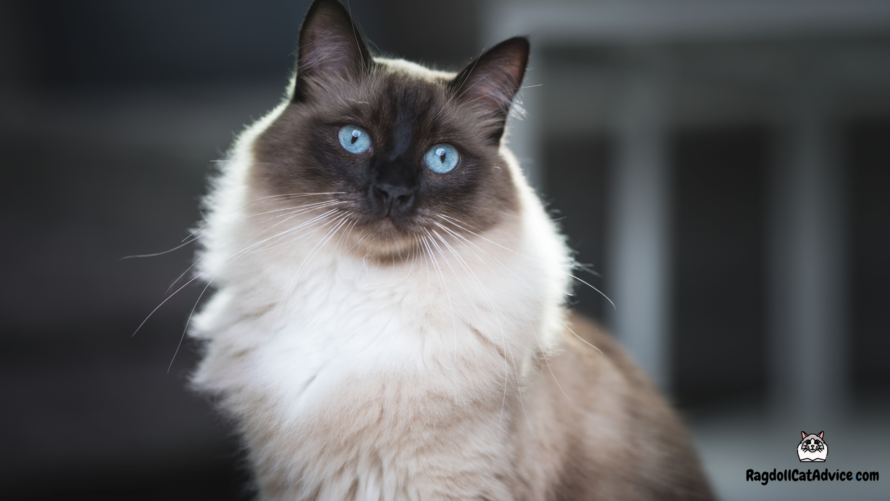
<point>803,434</point>
<point>821,433</point>
<point>330,46</point>
<point>492,80</point>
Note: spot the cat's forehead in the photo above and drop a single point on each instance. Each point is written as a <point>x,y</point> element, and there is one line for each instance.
<point>400,98</point>
<point>399,87</point>
<point>400,66</point>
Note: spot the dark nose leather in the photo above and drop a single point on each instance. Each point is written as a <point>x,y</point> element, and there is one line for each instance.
<point>394,188</point>
<point>396,198</point>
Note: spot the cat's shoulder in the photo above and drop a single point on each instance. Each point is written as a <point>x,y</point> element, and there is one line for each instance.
<point>611,413</point>
<point>595,348</point>
<point>603,383</point>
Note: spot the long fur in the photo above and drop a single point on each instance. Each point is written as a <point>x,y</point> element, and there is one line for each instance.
<point>343,371</point>
<point>441,367</point>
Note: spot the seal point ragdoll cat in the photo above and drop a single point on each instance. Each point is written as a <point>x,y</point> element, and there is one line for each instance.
<point>390,321</point>
<point>812,447</point>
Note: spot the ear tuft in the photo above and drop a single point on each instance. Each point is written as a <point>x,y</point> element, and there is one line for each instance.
<point>330,46</point>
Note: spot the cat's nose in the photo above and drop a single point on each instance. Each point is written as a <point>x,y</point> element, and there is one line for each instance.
<point>394,188</point>
<point>395,198</point>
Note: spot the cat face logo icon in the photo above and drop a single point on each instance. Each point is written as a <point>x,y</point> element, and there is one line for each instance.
<point>812,448</point>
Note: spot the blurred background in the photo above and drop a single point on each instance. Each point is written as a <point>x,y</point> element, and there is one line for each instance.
<point>721,166</point>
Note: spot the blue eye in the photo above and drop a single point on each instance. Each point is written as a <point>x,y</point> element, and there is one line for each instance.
<point>354,139</point>
<point>441,158</point>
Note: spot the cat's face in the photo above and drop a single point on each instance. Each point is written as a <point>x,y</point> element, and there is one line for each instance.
<point>398,152</point>
<point>812,443</point>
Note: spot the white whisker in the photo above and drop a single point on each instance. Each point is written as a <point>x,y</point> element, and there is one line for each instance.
<point>453,221</point>
<point>291,215</point>
<point>447,296</point>
<point>226,262</point>
<point>237,256</point>
<point>500,326</point>
<point>581,339</point>
<point>195,234</point>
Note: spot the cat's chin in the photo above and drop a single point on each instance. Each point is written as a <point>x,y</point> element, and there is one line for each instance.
<point>385,240</point>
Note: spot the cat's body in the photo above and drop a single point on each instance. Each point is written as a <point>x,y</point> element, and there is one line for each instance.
<point>384,331</point>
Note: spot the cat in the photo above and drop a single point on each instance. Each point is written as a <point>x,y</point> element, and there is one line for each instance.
<point>389,319</point>
<point>812,447</point>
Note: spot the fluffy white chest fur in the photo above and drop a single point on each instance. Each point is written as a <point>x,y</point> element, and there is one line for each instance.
<point>356,378</point>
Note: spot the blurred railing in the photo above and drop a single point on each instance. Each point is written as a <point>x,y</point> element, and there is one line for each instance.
<point>800,96</point>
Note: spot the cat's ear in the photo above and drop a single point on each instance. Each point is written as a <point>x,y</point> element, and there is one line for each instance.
<point>821,433</point>
<point>490,82</point>
<point>803,434</point>
<point>330,46</point>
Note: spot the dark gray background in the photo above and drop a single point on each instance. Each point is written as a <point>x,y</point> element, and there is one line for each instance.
<point>112,114</point>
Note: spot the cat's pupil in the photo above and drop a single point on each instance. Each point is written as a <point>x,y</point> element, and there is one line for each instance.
<point>355,136</point>
<point>441,153</point>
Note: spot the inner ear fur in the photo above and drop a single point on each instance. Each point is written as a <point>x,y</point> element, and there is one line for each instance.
<point>330,45</point>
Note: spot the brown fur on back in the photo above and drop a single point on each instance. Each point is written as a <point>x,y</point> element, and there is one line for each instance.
<point>601,428</point>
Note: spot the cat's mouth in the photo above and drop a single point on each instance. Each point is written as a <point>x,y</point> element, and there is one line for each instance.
<point>386,235</point>
<point>389,227</point>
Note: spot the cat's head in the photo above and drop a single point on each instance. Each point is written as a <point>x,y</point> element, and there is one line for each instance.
<point>812,442</point>
<point>391,150</point>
